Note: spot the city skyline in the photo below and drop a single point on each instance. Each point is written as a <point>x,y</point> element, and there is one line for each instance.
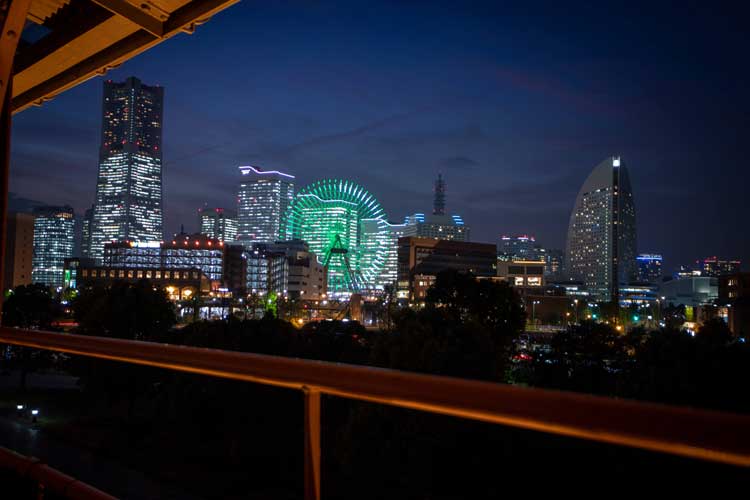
<point>396,153</point>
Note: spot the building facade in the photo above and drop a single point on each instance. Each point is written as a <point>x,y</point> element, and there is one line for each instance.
<point>218,223</point>
<point>649,268</point>
<point>692,291</point>
<point>518,247</point>
<point>439,227</point>
<point>184,251</point>
<point>86,225</point>
<point>286,268</point>
<point>526,276</point>
<point>264,198</point>
<point>19,250</point>
<point>421,259</point>
<point>734,293</point>
<point>128,203</point>
<point>602,232</point>
<point>54,237</point>
<point>713,266</point>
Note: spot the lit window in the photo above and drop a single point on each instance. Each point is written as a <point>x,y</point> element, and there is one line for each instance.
<point>518,281</point>
<point>157,274</point>
<point>140,274</point>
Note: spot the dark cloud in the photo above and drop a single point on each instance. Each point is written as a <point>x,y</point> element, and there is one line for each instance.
<point>458,162</point>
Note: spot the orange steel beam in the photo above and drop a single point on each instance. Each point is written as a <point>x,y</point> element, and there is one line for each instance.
<point>312,443</point>
<point>134,14</point>
<point>699,434</point>
<point>11,27</point>
<point>183,20</point>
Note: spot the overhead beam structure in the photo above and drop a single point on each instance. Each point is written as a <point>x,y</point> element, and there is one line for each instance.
<point>87,38</point>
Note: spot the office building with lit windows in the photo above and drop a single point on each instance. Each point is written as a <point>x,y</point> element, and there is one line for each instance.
<point>602,232</point>
<point>286,268</point>
<point>518,247</point>
<point>713,266</point>
<point>181,252</point>
<point>54,235</point>
<point>263,199</point>
<point>218,223</point>
<point>128,204</point>
<point>649,267</point>
<point>389,275</point>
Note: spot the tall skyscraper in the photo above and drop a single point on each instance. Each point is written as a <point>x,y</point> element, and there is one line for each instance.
<point>602,232</point>
<point>54,236</point>
<point>263,199</point>
<point>19,248</point>
<point>128,203</point>
<point>218,223</point>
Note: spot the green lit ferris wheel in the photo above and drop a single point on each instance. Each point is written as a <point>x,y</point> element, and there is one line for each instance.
<point>346,228</point>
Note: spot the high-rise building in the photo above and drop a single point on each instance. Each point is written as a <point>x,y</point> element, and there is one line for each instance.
<point>86,224</point>
<point>389,275</point>
<point>128,203</point>
<point>649,267</point>
<point>54,236</point>
<point>263,199</point>
<point>437,225</point>
<point>602,232</point>
<point>218,223</point>
<point>713,266</point>
<point>19,248</point>
<point>518,247</point>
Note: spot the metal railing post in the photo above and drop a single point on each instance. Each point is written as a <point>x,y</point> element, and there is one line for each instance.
<point>312,443</point>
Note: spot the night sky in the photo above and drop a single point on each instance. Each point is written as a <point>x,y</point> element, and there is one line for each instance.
<point>513,108</point>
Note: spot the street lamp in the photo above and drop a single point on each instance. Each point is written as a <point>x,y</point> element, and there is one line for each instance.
<point>533,311</point>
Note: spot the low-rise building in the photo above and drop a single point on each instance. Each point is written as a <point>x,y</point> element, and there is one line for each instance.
<point>526,276</point>
<point>179,284</point>
<point>691,291</point>
<point>421,259</point>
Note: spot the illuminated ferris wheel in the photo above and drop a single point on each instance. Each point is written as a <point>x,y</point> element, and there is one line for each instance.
<point>346,227</point>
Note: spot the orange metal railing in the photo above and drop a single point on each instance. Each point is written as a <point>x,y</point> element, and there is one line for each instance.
<point>699,434</point>
<point>34,479</point>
